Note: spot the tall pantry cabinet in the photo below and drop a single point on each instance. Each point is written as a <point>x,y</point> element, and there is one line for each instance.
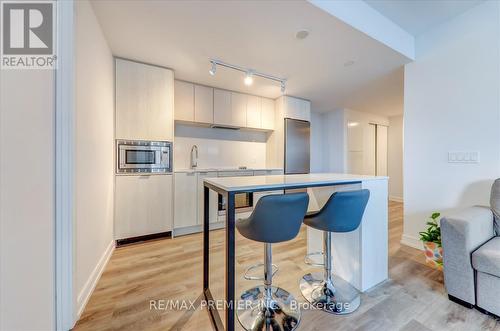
<point>144,111</point>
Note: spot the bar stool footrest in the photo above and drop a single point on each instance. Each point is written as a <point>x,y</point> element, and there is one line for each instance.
<point>309,259</point>
<point>255,266</point>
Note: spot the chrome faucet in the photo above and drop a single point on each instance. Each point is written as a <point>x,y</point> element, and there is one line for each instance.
<point>194,156</point>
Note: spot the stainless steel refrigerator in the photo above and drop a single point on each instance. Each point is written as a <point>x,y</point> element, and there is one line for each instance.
<point>297,146</point>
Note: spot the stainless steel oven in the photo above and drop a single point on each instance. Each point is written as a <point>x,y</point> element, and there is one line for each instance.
<point>243,202</point>
<point>140,156</point>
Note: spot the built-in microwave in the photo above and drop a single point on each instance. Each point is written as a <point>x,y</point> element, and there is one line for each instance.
<point>140,156</point>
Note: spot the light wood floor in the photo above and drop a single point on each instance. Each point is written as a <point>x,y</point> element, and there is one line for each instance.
<point>413,299</point>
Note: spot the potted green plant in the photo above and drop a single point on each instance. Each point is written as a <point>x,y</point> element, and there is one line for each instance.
<point>432,242</point>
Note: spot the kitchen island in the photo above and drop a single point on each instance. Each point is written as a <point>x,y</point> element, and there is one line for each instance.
<point>360,257</point>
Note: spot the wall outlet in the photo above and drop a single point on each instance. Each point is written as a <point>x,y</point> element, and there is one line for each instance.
<point>463,157</point>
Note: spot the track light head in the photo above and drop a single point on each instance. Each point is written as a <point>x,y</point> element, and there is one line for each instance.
<point>213,70</point>
<point>248,78</point>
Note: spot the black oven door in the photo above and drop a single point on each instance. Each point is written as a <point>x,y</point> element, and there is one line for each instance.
<point>241,201</point>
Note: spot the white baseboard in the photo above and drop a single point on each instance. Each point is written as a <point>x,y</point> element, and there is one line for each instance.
<point>90,284</point>
<point>395,198</point>
<point>412,242</point>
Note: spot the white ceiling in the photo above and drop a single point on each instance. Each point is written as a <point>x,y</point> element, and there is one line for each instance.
<point>259,35</point>
<point>417,16</point>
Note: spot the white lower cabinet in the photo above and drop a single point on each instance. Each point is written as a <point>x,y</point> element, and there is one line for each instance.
<point>143,205</point>
<point>188,201</point>
<point>188,197</point>
<point>213,198</point>
<point>185,196</point>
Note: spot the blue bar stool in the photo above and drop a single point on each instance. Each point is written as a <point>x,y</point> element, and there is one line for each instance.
<point>275,218</point>
<point>342,213</point>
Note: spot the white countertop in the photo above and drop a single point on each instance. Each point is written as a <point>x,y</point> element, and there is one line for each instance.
<point>223,169</point>
<point>283,181</point>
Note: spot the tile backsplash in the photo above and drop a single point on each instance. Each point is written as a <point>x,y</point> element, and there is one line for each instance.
<point>219,148</point>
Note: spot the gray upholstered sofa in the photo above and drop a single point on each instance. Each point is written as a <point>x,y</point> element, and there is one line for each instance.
<point>471,254</point>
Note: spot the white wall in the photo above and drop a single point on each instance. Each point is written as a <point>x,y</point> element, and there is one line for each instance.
<point>452,104</point>
<point>219,148</point>
<point>395,158</point>
<point>94,163</point>
<point>27,200</point>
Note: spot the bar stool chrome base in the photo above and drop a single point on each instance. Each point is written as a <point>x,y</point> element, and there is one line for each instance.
<point>336,297</point>
<point>257,312</point>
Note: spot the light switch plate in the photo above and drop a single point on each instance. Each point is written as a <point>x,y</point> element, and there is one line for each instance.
<point>463,157</point>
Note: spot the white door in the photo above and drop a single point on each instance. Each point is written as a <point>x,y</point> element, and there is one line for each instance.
<point>382,150</point>
<point>355,148</point>
<point>371,150</point>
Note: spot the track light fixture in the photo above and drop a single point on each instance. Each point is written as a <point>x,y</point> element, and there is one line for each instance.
<point>249,73</point>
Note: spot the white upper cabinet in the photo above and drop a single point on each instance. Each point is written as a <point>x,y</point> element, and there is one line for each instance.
<point>184,101</point>
<point>254,112</point>
<point>230,108</point>
<point>291,107</point>
<point>144,101</point>
<point>194,103</point>
<point>267,114</point>
<point>306,109</point>
<point>296,108</point>
<point>207,105</point>
<point>222,107</point>
<point>203,104</point>
<point>239,109</point>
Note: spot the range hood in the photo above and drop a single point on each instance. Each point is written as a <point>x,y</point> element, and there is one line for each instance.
<point>225,127</point>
